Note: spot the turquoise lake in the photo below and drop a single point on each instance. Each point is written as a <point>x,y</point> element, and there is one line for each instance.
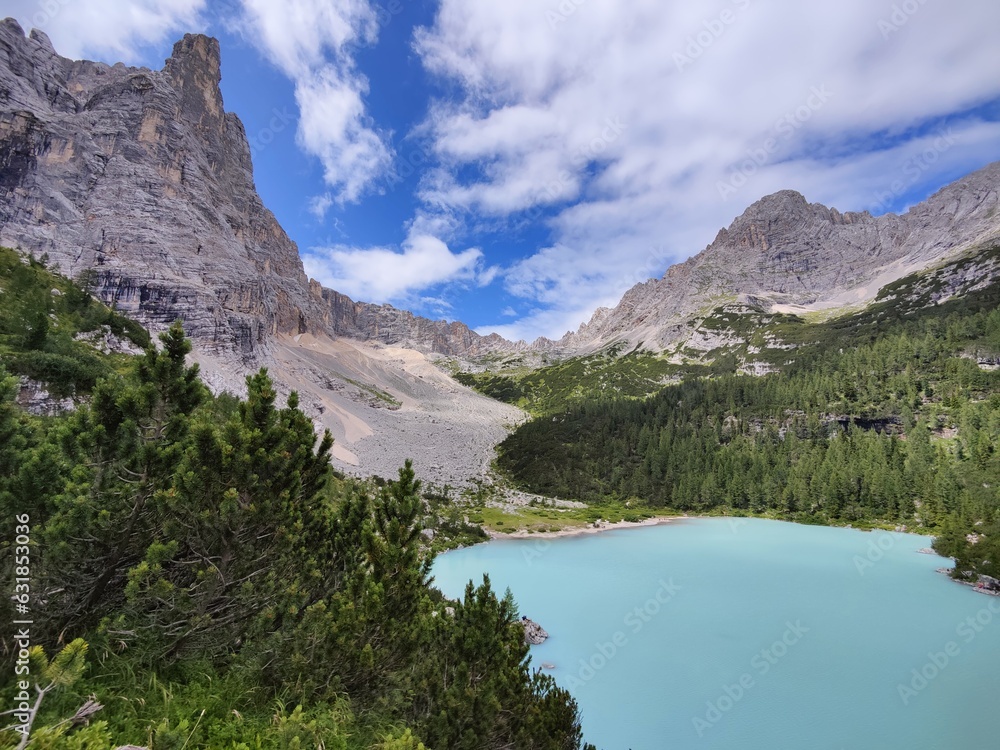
<point>753,634</point>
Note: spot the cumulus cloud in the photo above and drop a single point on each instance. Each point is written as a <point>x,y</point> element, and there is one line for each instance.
<point>107,29</point>
<point>382,274</point>
<point>311,42</point>
<point>637,128</point>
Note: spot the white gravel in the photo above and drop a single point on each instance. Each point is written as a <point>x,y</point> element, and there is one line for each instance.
<point>449,431</point>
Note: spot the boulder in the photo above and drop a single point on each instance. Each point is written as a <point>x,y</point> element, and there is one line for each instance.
<point>534,634</point>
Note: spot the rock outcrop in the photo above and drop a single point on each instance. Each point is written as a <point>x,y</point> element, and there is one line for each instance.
<point>534,634</point>
<point>142,176</point>
<point>394,327</point>
<point>35,398</point>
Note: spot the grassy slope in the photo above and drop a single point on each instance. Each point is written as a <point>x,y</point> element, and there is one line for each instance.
<point>42,317</point>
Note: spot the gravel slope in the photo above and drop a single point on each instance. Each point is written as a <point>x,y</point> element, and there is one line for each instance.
<point>384,405</point>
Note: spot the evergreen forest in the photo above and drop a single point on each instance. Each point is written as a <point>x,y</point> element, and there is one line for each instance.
<point>885,417</point>
<point>196,575</point>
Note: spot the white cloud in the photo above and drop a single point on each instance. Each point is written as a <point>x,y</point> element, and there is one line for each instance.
<point>626,116</point>
<point>297,35</point>
<point>381,274</point>
<point>107,29</point>
<point>487,276</point>
<point>311,42</point>
<point>320,204</point>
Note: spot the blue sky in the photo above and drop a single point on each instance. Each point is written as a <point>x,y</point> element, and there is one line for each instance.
<point>516,165</point>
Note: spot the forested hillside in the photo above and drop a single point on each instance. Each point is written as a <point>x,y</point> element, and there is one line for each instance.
<point>48,325</point>
<point>194,575</point>
<point>890,415</point>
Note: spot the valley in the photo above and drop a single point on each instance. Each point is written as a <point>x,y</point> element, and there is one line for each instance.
<point>252,504</point>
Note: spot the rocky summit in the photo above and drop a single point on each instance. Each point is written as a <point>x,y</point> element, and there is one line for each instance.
<point>142,176</point>
<point>785,254</point>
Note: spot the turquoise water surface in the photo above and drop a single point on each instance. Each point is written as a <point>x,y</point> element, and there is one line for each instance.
<point>753,634</point>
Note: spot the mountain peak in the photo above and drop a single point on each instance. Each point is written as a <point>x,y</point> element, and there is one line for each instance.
<point>782,199</point>
<point>786,253</point>
<point>200,50</point>
<point>11,24</point>
<point>195,70</point>
<point>781,219</point>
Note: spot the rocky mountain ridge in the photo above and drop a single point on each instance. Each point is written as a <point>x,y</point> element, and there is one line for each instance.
<point>143,178</point>
<point>784,254</point>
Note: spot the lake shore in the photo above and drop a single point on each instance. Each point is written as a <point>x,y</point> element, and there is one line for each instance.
<point>595,528</point>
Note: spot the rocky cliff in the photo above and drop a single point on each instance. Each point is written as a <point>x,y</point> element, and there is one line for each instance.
<point>144,177</point>
<point>389,325</point>
<point>785,254</point>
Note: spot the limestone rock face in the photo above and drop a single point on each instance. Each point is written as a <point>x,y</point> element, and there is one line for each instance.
<point>34,398</point>
<point>143,176</point>
<point>392,326</point>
